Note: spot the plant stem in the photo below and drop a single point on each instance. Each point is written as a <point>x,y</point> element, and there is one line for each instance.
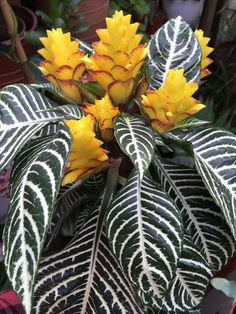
<point>7,14</point>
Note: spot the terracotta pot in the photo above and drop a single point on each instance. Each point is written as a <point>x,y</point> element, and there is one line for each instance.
<point>27,21</point>
<point>94,13</point>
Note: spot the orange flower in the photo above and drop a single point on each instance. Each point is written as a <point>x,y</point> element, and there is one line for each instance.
<point>203,41</point>
<point>172,102</point>
<point>118,57</point>
<point>63,63</point>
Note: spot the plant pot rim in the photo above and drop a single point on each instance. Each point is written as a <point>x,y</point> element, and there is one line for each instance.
<point>106,2</point>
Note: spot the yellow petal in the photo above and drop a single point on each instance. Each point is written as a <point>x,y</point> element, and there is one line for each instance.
<point>74,175</point>
<point>102,77</point>
<point>120,91</point>
<point>70,90</point>
<point>172,102</point>
<point>65,72</point>
<point>120,73</point>
<point>103,62</point>
<point>78,71</point>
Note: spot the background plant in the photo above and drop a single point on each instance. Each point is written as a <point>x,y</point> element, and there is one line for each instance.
<point>153,213</point>
<point>58,15</point>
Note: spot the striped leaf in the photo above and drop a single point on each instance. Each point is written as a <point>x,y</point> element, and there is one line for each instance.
<point>22,111</point>
<point>84,277</point>
<point>71,112</point>
<point>71,198</point>
<point>47,130</point>
<point>191,281</point>
<point>190,123</point>
<point>145,233</point>
<point>35,182</point>
<point>136,139</point>
<point>174,46</point>
<point>202,218</point>
<point>215,158</point>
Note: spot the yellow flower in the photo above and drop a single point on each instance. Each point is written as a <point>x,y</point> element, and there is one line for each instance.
<point>86,154</point>
<point>203,41</point>
<point>118,57</point>
<point>104,112</point>
<point>62,62</point>
<point>172,102</point>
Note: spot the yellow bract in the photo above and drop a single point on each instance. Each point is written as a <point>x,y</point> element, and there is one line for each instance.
<point>118,57</point>
<point>203,41</point>
<point>104,112</point>
<point>62,62</point>
<point>86,154</point>
<point>172,102</point>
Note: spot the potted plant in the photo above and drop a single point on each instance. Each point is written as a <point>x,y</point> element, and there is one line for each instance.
<point>190,10</point>
<point>25,20</point>
<point>80,17</point>
<point>110,149</point>
<point>140,10</point>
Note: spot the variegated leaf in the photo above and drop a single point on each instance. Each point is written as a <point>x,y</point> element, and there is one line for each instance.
<point>174,46</point>
<point>202,218</point>
<point>215,158</point>
<point>72,198</point>
<point>144,229</point>
<point>136,139</point>
<point>192,278</point>
<point>84,277</point>
<point>190,123</point>
<point>22,111</point>
<point>35,182</point>
<point>71,112</point>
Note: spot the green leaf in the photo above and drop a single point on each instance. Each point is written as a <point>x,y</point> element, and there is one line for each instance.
<point>136,139</point>
<point>85,277</point>
<point>51,89</point>
<point>22,111</point>
<point>80,28</point>
<point>215,158</point>
<point>226,286</point>
<point>36,177</point>
<point>59,23</point>
<point>191,281</point>
<point>202,218</point>
<point>72,197</point>
<point>174,46</point>
<point>45,18</point>
<point>70,112</point>
<point>190,123</point>
<point>144,230</point>
<point>91,90</point>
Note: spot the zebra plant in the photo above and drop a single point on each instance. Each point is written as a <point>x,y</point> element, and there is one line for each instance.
<point>107,152</point>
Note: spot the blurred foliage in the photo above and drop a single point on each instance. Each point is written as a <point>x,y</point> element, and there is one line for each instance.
<point>58,15</point>
<point>140,10</point>
<point>218,93</point>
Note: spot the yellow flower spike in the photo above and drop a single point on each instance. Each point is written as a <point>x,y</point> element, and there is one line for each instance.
<point>118,58</point>
<point>63,62</point>
<point>86,154</point>
<point>203,41</point>
<point>172,102</point>
<point>104,112</point>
